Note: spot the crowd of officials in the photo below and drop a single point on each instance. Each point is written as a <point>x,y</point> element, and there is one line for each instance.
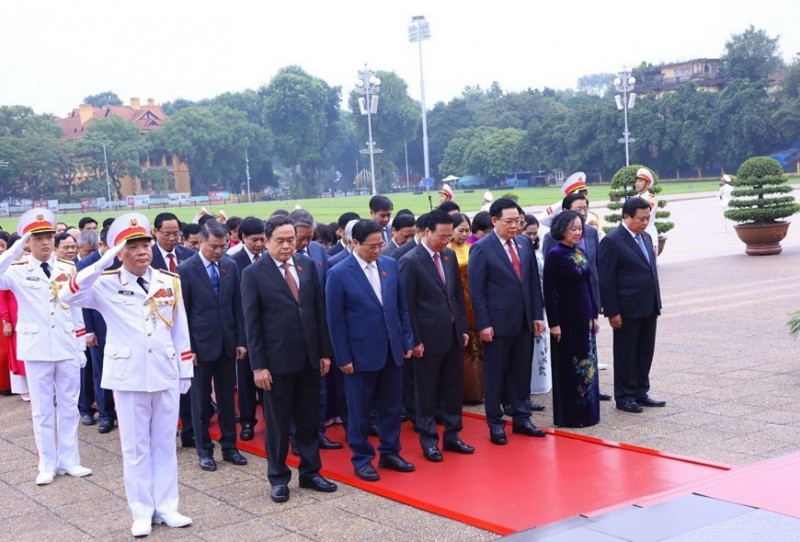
<point>366,322</point>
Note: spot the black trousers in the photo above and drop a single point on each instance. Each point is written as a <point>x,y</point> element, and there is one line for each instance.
<point>634,346</point>
<point>435,373</point>
<point>246,387</point>
<point>507,362</point>
<point>293,397</point>
<point>223,374</point>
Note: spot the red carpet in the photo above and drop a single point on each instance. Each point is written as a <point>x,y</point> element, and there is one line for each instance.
<point>529,482</point>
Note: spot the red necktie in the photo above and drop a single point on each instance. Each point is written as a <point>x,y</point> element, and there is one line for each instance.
<point>514,260</point>
<point>256,257</point>
<point>290,282</point>
<point>438,263</point>
<point>172,265</point>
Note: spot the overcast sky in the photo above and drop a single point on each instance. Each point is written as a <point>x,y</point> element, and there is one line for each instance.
<point>55,52</point>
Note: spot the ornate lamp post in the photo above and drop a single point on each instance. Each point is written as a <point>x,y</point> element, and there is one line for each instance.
<point>624,84</point>
<point>369,86</point>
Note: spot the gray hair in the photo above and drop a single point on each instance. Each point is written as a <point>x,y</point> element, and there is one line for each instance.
<point>348,230</point>
<point>88,238</point>
<point>301,217</point>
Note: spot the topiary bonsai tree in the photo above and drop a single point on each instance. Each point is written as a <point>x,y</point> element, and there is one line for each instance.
<point>623,186</point>
<point>761,193</point>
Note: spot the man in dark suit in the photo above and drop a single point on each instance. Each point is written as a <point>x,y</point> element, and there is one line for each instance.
<point>167,256</point>
<point>213,299</point>
<point>589,243</point>
<point>96,331</point>
<point>631,301</point>
<point>380,212</point>
<point>507,300</point>
<point>402,232</point>
<point>341,224</point>
<point>372,336</point>
<point>419,227</point>
<point>251,231</point>
<point>290,351</point>
<point>435,295</point>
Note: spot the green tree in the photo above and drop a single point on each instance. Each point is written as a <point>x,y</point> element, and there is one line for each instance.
<point>301,112</point>
<point>597,84</point>
<point>752,55</point>
<point>786,115</point>
<point>124,145</point>
<point>744,123</point>
<point>103,98</point>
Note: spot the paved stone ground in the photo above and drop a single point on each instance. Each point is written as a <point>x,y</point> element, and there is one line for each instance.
<point>724,362</point>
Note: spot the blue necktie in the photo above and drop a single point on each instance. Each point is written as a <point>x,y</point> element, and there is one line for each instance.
<point>213,274</point>
<point>640,242</point>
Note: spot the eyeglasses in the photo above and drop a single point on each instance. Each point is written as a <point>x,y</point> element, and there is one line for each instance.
<point>374,246</point>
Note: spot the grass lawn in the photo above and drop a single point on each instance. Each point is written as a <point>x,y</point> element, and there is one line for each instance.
<point>326,210</point>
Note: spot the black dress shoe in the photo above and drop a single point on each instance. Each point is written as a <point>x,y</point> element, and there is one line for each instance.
<point>650,402</point>
<point>88,419</point>
<point>106,426</point>
<point>604,396</point>
<point>458,446</point>
<point>367,472</point>
<point>498,436</point>
<point>279,493</point>
<point>534,406</point>
<point>395,462</point>
<point>507,410</point>
<point>233,456</point>
<point>318,483</point>
<point>432,454</point>
<point>527,428</point>
<point>373,431</point>
<point>327,444</point>
<point>208,464</point>
<point>630,406</point>
<point>247,432</point>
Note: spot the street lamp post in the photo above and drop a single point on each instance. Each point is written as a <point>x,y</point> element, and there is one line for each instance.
<point>419,31</point>
<point>369,86</point>
<point>624,83</point>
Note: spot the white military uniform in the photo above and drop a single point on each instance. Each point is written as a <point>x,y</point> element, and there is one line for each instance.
<point>573,183</point>
<point>147,356</point>
<point>51,340</point>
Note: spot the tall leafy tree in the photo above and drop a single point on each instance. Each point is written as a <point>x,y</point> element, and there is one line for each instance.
<point>597,84</point>
<point>752,55</point>
<point>744,123</point>
<point>103,98</point>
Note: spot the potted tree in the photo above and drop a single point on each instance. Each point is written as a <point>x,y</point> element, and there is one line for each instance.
<point>622,187</point>
<point>760,199</point>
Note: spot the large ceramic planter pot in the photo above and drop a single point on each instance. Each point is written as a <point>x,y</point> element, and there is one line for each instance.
<point>762,239</point>
<point>662,240</point>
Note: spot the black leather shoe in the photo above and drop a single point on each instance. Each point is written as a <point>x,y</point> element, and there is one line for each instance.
<point>604,396</point>
<point>498,436</point>
<point>88,419</point>
<point>630,406</point>
<point>208,464</point>
<point>279,493</point>
<point>327,444</point>
<point>458,446</point>
<point>373,430</point>
<point>247,432</point>
<point>395,462</point>
<point>432,454</point>
<point>367,472</point>
<point>507,410</point>
<point>318,483</point>
<point>534,406</point>
<point>527,428</point>
<point>233,456</point>
<point>106,426</point>
<point>650,402</point>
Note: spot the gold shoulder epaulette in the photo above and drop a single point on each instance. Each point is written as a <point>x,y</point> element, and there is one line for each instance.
<point>19,262</point>
<point>170,273</point>
<point>111,272</point>
<point>70,262</point>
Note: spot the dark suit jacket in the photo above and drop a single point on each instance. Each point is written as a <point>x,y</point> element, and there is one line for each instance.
<point>216,324</point>
<point>338,258</point>
<point>181,253</point>
<point>282,334</point>
<point>405,248</point>
<point>591,240</point>
<point>390,248</point>
<point>335,249</point>
<point>364,331</point>
<point>438,313</point>
<point>498,297</point>
<point>242,259</point>
<point>317,253</point>
<point>628,283</point>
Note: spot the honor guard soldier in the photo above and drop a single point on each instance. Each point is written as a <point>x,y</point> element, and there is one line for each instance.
<point>575,183</point>
<point>148,364</point>
<point>51,340</point>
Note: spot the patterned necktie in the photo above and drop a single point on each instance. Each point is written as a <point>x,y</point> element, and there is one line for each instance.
<point>172,266</point>
<point>46,268</point>
<point>514,259</point>
<point>290,282</point>
<point>437,261</point>
<point>640,242</point>
<point>213,274</point>
<point>143,283</point>
<point>375,282</point>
